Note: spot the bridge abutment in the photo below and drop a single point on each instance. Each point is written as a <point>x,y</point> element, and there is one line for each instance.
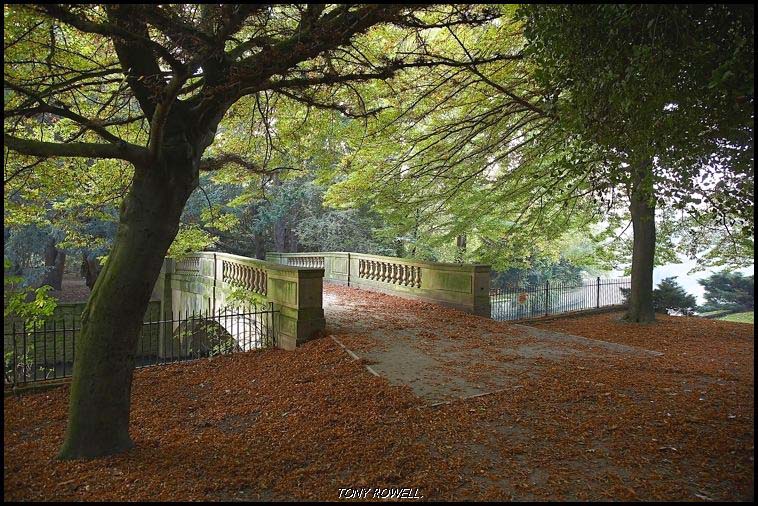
<point>203,283</point>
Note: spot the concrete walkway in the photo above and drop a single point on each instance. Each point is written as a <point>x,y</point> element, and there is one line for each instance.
<point>444,354</point>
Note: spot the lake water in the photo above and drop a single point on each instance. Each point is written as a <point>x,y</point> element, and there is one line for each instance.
<point>686,280</point>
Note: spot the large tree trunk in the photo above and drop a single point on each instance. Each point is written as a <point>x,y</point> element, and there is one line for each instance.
<point>280,235</point>
<point>259,237</point>
<point>260,245</point>
<point>100,396</point>
<point>55,261</point>
<point>460,248</point>
<point>90,269</point>
<point>294,245</point>
<point>642,207</point>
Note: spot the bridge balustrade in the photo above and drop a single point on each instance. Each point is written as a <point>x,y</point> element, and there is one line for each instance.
<point>205,281</point>
<point>462,286</point>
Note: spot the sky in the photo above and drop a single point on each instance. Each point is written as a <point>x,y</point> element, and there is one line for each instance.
<point>687,281</point>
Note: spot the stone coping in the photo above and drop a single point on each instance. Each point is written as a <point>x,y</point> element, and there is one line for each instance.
<point>381,258</point>
<point>303,272</point>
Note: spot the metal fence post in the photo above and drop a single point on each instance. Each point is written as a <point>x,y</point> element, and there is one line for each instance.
<point>215,276</point>
<point>547,296</point>
<point>15,354</point>
<point>598,292</point>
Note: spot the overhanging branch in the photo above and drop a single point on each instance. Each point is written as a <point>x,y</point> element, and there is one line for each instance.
<point>62,112</point>
<point>119,151</point>
<point>210,164</point>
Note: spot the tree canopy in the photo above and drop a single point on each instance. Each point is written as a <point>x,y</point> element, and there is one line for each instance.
<point>146,88</point>
<point>522,136</point>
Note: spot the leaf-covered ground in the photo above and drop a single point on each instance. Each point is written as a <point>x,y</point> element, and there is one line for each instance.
<point>273,425</point>
<point>73,289</point>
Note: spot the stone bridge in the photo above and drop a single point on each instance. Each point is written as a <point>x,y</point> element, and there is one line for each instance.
<point>293,282</point>
<point>441,343</point>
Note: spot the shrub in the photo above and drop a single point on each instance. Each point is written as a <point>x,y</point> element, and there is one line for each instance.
<point>728,290</point>
<point>669,298</point>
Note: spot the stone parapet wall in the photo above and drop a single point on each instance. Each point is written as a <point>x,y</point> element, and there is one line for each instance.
<point>204,281</point>
<point>462,286</point>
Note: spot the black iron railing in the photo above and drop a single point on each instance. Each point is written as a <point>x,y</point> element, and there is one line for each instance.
<point>532,300</point>
<point>46,351</point>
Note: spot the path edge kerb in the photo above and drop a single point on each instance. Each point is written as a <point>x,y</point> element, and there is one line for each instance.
<point>355,357</point>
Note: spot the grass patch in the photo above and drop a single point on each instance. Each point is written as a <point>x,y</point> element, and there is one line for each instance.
<point>746,317</point>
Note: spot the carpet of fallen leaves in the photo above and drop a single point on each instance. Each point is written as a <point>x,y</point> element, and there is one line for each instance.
<point>273,425</point>
<point>73,289</point>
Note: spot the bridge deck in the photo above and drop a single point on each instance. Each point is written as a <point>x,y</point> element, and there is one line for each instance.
<point>444,354</point>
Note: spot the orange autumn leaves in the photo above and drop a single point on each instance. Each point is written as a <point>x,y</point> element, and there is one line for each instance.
<point>270,424</point>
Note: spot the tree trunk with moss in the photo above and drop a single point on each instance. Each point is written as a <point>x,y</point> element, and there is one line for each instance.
<point>55,261</point>
<point>460,248</point>
<point>90,269</point>
<point>111,322</point>
<point>642,207</point>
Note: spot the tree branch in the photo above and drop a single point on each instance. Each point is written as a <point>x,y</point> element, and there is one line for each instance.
<point>107,29</point>
<point>210,164</point>
<point>119,151</point>
<point>58,111</point>
<point>312,102</point>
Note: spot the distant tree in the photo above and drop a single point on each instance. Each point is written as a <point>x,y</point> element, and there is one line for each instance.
<point>662,95</point>
<point>542,270</point>
<point>670,297</point>
<point>31,252</point>
<point>729,290</point>
<point>32,305</point>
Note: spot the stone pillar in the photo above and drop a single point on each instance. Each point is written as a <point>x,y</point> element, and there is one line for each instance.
<point>163,289</point>
<point>297,295</point>
<point>481,291</point>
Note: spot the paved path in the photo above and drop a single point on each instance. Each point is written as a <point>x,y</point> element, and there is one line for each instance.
<point>443,354</point>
